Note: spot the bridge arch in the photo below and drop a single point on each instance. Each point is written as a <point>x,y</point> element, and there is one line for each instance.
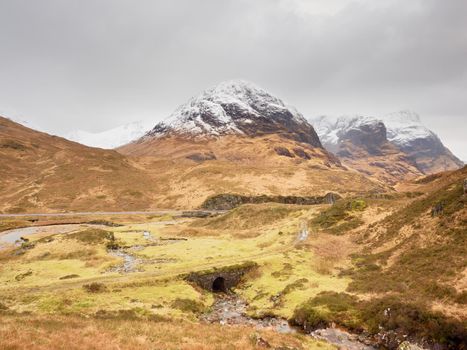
<point>218,285</point>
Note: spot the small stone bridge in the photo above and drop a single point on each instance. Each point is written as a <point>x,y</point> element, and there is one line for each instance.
<point>220,279</point>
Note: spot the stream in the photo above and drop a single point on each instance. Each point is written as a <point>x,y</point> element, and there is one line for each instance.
<point>130,263</point>
<point>229,309</point>
<point>10,237</point>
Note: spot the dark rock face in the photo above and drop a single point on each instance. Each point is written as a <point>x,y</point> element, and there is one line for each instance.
<point>370,137</point>
<point>300,152</point>
<point>230,201</point>
<point>437,209</point>
<point>283,151</point>
<point>201,157</point>
<point>280,123</point>
<point>427,153</point>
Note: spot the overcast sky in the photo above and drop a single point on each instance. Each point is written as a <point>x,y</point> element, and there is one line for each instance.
<point>96,64</point>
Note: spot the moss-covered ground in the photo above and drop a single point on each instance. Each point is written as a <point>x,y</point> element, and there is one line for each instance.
<point>49,273</point>
<point>360,257</point>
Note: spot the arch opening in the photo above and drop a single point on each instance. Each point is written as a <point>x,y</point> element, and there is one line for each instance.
<point>218,285</point>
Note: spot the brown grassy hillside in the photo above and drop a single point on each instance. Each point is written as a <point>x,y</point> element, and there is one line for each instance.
<point>388,165</point>
<point>41,172</point>
<point>197,168</point>
<point>408,276</point>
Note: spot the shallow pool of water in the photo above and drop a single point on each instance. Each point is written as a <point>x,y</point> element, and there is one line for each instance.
<point>10,237</point>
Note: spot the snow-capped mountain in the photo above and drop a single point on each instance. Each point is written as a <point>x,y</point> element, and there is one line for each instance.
<point>404,127</point>
<point>362,130</point>
<point>422,145</point>
<point>236,107</point>
<point>404,130</point>
<point>112,138</point>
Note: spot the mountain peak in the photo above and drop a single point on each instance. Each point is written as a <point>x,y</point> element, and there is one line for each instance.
<point>236,107</point>
<point>405,126</point>
<point>403,129</point>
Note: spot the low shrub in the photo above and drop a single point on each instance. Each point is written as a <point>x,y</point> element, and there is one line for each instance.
<point>298,284</point>
<point>81,254</point>
<point>405,319</point>
<point>92,236</point>
<point>356,205</point>
<point>22,276</point>
<point>130,314</point>
<point>95,287</point>
<point>104,223</point>
<point>325,308</point>
<point>461,298</point>
<point>341,217</point>
<point>27,245</point>
<point>413,319</point>
<point>12,144</point>
<point>188,305</point>
<point>67,277</point>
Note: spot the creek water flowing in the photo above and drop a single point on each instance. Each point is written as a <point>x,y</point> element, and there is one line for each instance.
<point>230,309</point>
<point>11,237</point>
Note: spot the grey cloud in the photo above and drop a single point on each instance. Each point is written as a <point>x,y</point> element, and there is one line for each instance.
<point>69,64</point>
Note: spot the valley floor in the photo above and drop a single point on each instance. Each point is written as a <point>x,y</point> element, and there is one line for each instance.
<point>120,281</point>
<point>137,266</point>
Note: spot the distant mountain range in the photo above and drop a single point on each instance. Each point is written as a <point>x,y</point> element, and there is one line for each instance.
<point>112,138</point>
<point>398,145</point>
<point>398,139</point>
<point>232,138</point>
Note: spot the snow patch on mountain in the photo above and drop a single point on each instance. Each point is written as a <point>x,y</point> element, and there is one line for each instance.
<point>112,138</point>
<point>404,127</point>
<point>330,129</point>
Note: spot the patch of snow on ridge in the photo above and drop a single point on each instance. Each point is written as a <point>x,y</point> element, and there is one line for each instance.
<point>404,127</point>
<point>211,111</point>
<point>112,138</point>
<point>331,128</point>
<point>326,130</point>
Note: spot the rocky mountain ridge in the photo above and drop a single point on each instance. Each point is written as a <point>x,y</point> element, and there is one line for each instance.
<point>236,107</point>
<point>397,143</point>
<point>237,123</point>
<point>358,138</point>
